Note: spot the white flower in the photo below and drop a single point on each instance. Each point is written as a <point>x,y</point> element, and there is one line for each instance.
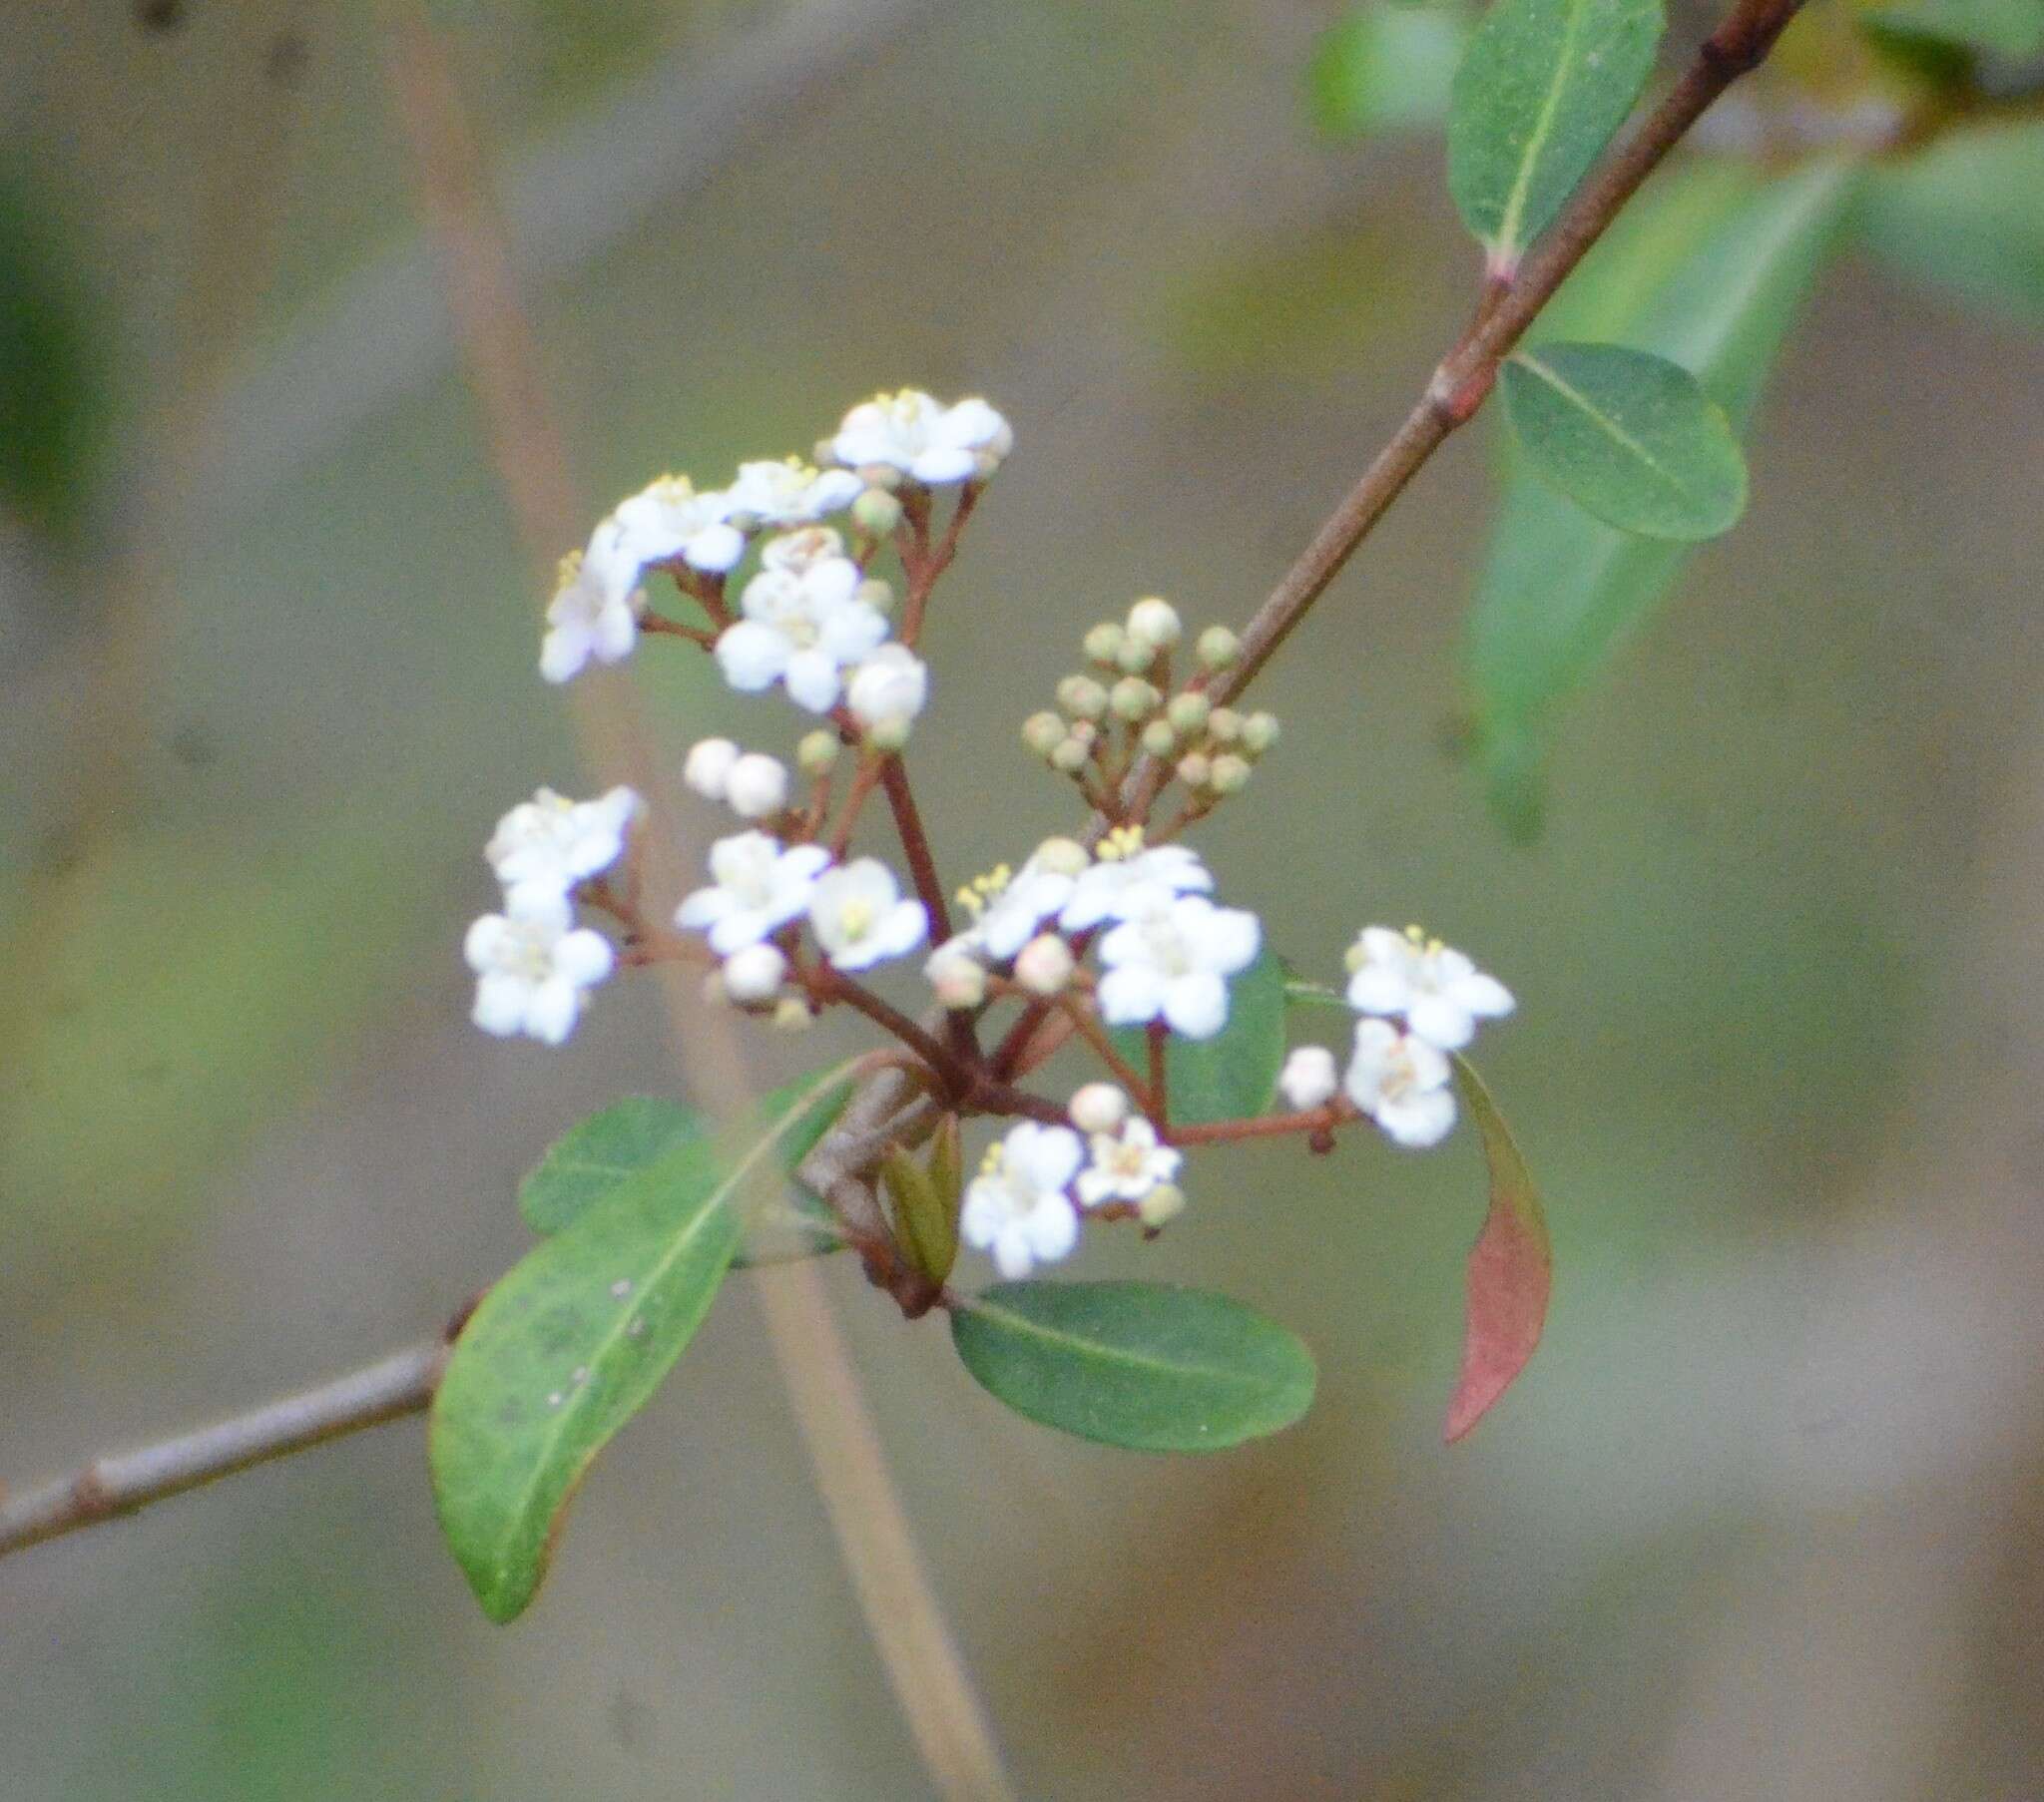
<point>1044,965</point>
<point>550,843</point>
<point>958,977</point>
<point>800,552</point>
<point>1308,1078</point>
<point>1119,887</point>
<point>1172,964</point>
<point>532,964</point>
<point>859,917</point>
<point>1401,1083</point>
<point>1011,908</point>
<point>789,493</point>
<point>706,768</point>
<point>914,434</point>
<point>1127,1164</point>
<point>665,520</point>
<point>802,629</point>
<point>586,619</point>
<point>754,973</point>
<point>756,786</point>
<point>1439,991</point>
<point>1016,1208</point>
<point>1099,1108</point>
<point>888,688</point>
<point>759,887</point>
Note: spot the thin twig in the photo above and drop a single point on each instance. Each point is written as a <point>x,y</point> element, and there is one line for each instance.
<point>915,845</point>
<point>128,1481</point>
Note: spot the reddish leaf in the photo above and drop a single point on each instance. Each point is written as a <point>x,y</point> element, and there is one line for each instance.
<point>1511,1268</point>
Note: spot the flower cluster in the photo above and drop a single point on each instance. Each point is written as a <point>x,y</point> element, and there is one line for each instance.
<point>1401,1079</point>
<point>1117,939</point>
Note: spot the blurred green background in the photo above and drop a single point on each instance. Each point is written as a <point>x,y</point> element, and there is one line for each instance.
<point>1761,1520</point>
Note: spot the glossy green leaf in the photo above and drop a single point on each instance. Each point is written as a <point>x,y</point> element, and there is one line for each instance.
<point>1385,67</point>
<point>592,1158</point>
<point>1511,1272</point>
<point>1137,1365</point>
<point>1628,436</point>
<point>1711,273</point>
<point>2009,30</point>
<point>1541,90</point>
<point>571,1343</point>
<point>1234,1074</point>
<point>1966,214</point>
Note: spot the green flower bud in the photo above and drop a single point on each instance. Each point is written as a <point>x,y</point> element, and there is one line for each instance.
<point>1156,622</point>
<point>1104,643</point>
<point>1162,1203</point>
<point>1043,732</point>
<point>1133,699</point>
<point>1224,726</point>
<point>1259,734</point>
<point>876,512</point>
<point>1063,856</point>
<point>816,753</point>
<point>1070,757</point>
<point>877,594</point>
<point>1159,740</point>
<point>1230,773</point>
<point>890,734</point>
<point>1081,698</point>
<point>1218,648</point>
<point>1136,655</point>
<point>1195,770</point>
<point>1188,713</point>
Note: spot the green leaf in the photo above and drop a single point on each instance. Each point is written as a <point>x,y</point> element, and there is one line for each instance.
<point>1543,87</point>
<point>569,1345</point>
<point>52,366</point>
<point>1629,437</point>
<point>1139,1364</point>
<point>1385,67</point>
<point>1233,1074</point>
<point>594,1156</point>
<point>1966,214</point>
<point>1711,273</point>
<point>2009,30</point>
<point>1510,1271</point>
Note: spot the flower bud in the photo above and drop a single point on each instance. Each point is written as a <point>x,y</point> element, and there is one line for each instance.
<point>754,973</point>
<point>1162,1204</point>
<point>756,786</point>
<point>1044,965</point>
<point>1230,776</point>
<point>1224,726</point>
<point>1081,698</point>
<point>1133,699</point>
<point>1195,770</point>
<point>1085,732</point>
<point>1259,734</point>
<point>876,594</point>
<point>891,733</point>
<point>1188,713</point>
<point>1062,856</point>
<point>1070,757</point>
<point>1137,655</point>
<point>1104,643</point>
<point>1099,1108</point>
<point>793,1015</point>
<point>1159,740</point>
<point>817,751</point>
<point>1043,732</point>
<point>958,977</point>
<point>876,512</point>
<point>708,766</point>
<point>1156,622</point>
<point>1309,1079</point>
<point>1218,648</point>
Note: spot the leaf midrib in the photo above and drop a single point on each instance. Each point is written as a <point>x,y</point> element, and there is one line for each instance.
<point>1577,398</point>
<point>1543,129</point>
<point>1094,1348</point>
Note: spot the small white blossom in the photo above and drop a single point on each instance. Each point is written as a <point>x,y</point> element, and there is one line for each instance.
<point>914,435</point>
<point>1154,623</point>
<point>859,917</point>
<point>1099,1108</point>
<point>890,689</point>
<point>1439,990</point>
<point>956,974</point>
<point>1401,1083</point>
<point>586,620</point>
<point>550,843</point>
<point>754,972</point>
<point>1128,880</point>
<point>789,493</point>
<point>1011,907</point>
<point>800,551</point>
<point>760,886</point>
<point>1173,961</point>
<point>1125,1166</point>
<point>706,768</point>
<point>756,786</point>
<point>532,964</point>
<point>665,520</point>
<point>1309,1079</point>
<point>1044,965</point>
<point>1016,1208</point>
<point>802,629</point>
